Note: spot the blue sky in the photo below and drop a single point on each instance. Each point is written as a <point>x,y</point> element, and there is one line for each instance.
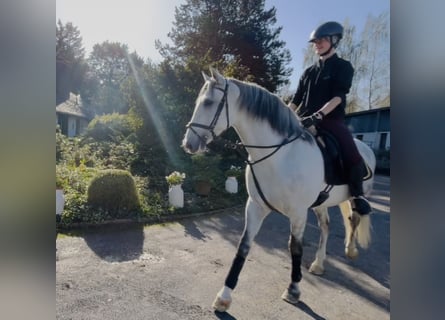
<point>139,23</point>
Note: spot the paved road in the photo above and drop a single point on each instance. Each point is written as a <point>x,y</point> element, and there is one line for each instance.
<point>173,271</point>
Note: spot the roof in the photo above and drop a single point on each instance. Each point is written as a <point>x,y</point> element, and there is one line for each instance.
<point>72,106</point>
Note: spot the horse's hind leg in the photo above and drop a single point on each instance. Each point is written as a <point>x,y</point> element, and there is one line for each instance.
<point>317,267</point>
<point>254,218</point>
<point>351,221</point>
<point>292,293</point>
<point>357,229</point>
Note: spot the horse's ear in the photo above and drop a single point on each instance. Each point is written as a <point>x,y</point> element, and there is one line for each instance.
<point>206,77</point>
<point>217,76</point>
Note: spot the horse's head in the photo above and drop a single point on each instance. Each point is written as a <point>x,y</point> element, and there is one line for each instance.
<point>211,115</point>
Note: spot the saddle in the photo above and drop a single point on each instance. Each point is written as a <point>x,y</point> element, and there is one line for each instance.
<point>335,172</point>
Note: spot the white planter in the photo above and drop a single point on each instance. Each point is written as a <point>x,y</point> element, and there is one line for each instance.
<point>176,196</point>
<point>231,185</point>
<point>60,201</point>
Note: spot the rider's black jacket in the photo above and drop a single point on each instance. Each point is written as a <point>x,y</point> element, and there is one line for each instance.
<point>320,83</point>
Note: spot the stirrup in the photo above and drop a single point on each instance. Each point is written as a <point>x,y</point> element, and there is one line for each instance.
<point>361,205</point>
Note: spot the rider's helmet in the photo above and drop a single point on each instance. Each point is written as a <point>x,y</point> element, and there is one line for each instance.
<point>332,30</point>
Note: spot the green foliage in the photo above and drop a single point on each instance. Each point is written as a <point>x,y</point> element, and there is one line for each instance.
<point>205,167</point>
<point>110,66</point>
<point>235,33</point>
<point>110,127</point>
<point>115,192</point>
<point>70,64</point>
<point>233,171</point>
<point>74,181</point>
<point>61,144</point>
<point>175,178</point>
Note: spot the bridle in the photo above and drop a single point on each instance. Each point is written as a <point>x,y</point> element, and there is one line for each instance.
<point>212,124</point>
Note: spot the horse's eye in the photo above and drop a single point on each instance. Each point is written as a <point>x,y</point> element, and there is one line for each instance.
<point>207,102</point>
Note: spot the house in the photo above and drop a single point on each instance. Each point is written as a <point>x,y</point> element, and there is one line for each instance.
<point>372,127</point>
<point>71,116</point>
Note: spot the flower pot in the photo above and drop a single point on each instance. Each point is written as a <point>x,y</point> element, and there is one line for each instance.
<point>231,185</point>
<point>203,187</point>
<point>176,196</point>
<point>60,201</point>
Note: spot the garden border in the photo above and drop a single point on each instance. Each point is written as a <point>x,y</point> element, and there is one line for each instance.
<point>145,221</point>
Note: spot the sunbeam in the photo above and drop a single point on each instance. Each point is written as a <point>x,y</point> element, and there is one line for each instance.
<point>158,121</point>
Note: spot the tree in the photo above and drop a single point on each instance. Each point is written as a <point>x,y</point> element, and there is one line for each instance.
<point>375,61</point>
<point>349,50</point>
<point>70,64</point>
<point>109,64</point>
<point>234,34</point>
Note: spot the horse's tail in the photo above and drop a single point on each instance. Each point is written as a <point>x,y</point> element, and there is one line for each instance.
<point>364,231</point>
<point>356,226</point>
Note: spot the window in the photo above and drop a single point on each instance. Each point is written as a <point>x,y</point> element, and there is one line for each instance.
<point>382,143</point>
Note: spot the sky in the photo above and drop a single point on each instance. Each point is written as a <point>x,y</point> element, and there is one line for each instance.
<point>138,23</point>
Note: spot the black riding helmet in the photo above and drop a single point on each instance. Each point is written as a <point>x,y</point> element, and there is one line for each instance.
<point>333,30</point>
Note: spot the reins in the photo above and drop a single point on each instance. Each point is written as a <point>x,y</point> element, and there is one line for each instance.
<point>236,146</point>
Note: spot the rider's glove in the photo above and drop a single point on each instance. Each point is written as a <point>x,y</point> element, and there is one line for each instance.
<point>312,119</point>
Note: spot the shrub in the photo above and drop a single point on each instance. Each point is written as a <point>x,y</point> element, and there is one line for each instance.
<point>234,171</point>
<point>114,191</point>
<point>109,127</point>
<point>206,167</point>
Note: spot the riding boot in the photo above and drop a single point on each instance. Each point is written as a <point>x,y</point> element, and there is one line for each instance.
<point>360,204</point>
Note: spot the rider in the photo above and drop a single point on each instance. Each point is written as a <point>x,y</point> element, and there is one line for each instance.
<point>320,100</point>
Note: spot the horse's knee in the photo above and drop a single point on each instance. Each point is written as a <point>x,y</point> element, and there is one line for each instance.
<point>244,246</point>
<point>295,246</point>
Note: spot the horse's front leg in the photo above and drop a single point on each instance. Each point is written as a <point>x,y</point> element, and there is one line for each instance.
<point>254,217</point>
<point>298,222</point>
<point>317,266</point>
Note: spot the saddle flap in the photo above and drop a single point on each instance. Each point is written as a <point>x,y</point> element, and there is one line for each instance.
<point>335,172</point>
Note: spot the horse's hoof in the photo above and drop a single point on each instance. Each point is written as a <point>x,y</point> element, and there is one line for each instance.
<point>221,304</point>
<point>351,253</point>
<point>316,269</point>
<point>291,295</point>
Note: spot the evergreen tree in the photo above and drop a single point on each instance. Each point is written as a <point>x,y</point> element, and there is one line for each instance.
<point>70,64</point>
<point>236,35</point>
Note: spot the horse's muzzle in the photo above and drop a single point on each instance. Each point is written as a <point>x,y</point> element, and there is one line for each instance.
<point>192,143</point>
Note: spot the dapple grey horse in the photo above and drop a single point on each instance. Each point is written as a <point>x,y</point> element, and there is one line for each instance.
<point>285,172</point>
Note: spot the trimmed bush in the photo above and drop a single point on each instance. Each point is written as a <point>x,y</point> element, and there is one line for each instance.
<point>115,192</point>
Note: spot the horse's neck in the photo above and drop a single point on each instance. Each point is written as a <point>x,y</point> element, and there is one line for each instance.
<point>256,133</point>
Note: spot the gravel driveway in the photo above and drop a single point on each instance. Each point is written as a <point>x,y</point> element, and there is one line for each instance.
<point>174,270</point>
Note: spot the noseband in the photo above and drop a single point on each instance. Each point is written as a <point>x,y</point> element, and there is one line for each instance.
<point>212,124</point>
